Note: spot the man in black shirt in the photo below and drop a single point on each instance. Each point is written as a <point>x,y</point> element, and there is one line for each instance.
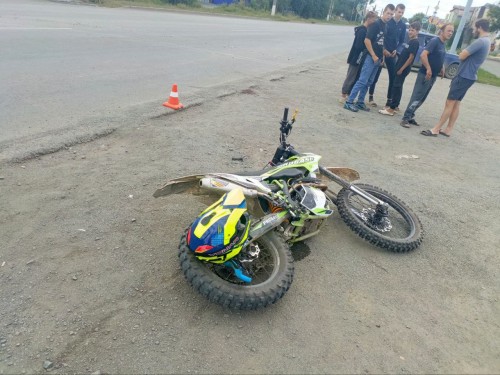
<point>374,43</point>
<point>357,54</point>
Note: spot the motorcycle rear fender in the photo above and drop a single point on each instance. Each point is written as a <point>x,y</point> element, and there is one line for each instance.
<point>192,185</point>
<point>186,184</point>
<point>348,174</point>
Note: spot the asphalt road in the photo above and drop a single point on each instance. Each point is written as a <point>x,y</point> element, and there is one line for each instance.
<point>65,65</point>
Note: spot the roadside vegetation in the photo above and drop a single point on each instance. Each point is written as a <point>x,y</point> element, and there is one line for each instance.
<point>486,77</point>
<point>309,11</point>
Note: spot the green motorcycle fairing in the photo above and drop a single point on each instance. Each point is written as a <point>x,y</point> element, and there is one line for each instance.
<point>307,161</point>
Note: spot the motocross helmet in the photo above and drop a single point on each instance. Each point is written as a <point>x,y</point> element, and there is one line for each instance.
<point>314,200</point>
<point>219,233</point>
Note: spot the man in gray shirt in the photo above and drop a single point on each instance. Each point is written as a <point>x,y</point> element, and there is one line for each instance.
<point>471,59</point>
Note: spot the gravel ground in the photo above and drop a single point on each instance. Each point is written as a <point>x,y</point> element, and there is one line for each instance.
<point>90,276</point>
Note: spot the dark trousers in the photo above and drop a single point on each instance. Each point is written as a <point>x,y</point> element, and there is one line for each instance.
<point>350,79</point>
<point>375,80</point>
<point>397,90</point>
<point>390,63</point>
<point>421,89</point>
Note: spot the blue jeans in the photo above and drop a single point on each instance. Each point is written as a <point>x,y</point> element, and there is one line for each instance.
<point>421,89</point>
<point>366,77</point>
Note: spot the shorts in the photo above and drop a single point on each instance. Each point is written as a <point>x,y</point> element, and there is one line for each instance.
<point>459,87</point>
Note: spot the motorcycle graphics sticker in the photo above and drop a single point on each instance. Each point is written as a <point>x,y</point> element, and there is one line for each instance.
<point>298,161</point>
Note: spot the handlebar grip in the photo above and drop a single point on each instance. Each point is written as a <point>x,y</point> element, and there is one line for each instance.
<point>285,115</point>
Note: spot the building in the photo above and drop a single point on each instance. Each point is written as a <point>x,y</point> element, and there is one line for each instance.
<point>475,13</point>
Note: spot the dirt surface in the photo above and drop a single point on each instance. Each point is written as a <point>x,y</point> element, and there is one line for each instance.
<point>89,274</point>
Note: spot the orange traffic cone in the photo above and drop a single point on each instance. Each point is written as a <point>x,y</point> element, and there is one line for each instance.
<point>173,100</point>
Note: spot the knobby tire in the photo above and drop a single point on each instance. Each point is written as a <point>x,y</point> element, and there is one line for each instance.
<point>410,242</point>
<point>240,296</point>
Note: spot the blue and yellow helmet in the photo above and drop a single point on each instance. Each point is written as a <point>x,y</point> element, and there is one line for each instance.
<point>219,233</point>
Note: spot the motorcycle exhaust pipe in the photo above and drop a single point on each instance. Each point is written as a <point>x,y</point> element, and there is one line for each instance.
<point>267,223</point>
<point>222,186</point>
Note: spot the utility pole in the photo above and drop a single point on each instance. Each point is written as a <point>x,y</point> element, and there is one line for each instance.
<point>273,10</point>
<point>460,29</point>
<point>330,11</point>
<point>436,8</point>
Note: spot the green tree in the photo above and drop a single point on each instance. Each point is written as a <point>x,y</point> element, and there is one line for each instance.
<point>494,16</point>
<point>175,2</point>
<point>347,8</point>
<point>417,17</point>
<point>310,8</point>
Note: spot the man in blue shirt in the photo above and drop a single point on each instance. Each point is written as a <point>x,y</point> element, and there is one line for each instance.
<point>393,42</point>
<point>471,59</point>
<point>432,58</point>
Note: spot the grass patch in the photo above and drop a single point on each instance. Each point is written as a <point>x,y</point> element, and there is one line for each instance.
<point>235,10</point>
<point>486,77</point>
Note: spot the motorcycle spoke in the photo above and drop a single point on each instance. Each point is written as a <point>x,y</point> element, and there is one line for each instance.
<point>394,225</point>
<point>259,269</point>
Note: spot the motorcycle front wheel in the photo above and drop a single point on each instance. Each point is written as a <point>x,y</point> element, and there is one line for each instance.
<point>399,230</point>
<point>272,275</point>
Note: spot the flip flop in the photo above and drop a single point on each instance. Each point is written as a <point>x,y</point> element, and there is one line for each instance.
<point>443,133</point>
<point>428,133</point>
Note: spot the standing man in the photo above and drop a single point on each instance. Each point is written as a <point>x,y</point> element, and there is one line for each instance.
<point>393,44</point>
<point>471,59</point>
<point>374,43</point>
<point>403,67</point>
<point>394,40</point>
<point>357,54</point>
<point>432,58</point>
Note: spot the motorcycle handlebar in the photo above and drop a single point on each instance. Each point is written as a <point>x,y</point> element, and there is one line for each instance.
<point>285,115</point>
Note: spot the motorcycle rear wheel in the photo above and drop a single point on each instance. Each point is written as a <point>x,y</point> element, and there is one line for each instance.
<point>406,232</point>
<point>266,288</point>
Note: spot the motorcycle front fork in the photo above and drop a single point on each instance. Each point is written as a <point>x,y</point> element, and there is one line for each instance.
<point>238,271</point>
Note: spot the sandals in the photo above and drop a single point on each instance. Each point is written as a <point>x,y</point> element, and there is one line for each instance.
<point>385,112</point>
<point>428,133</point>
<point>443,133</point>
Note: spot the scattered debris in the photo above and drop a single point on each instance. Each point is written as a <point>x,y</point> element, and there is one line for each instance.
<point>407,157</point>
<point>48,364</point>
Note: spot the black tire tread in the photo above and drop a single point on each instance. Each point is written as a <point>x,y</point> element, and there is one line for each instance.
<point>397,246</point>
<point>233,296</point>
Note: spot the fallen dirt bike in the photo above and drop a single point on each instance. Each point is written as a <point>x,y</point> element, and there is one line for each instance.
<point>236,252</point>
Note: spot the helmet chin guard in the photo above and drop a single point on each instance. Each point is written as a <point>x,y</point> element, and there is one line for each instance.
<point>220,232</point>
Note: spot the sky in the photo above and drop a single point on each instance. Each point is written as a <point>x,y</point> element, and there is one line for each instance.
<point>420,6</point>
